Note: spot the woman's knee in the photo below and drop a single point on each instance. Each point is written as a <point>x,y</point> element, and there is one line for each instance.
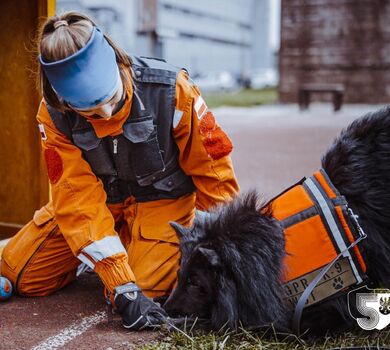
<point>30,284</point>
<point>5,269</point>
<point>37,260</point>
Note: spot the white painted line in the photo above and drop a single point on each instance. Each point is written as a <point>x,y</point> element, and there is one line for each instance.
<point>71,332</point>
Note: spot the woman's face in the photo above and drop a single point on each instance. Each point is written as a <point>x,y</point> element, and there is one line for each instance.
<point>105,109</point>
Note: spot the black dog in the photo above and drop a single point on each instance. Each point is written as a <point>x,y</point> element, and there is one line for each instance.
<point>232,260</point>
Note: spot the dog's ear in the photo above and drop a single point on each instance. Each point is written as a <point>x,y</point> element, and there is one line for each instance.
<point>181,230</point>
<point>211,255</point>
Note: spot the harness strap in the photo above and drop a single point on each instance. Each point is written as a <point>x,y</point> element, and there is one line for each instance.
<point>326,209</point>
<point>60,121</point>
<point>296,321</point>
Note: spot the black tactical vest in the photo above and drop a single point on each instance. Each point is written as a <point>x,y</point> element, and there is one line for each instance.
<point>143,160</point>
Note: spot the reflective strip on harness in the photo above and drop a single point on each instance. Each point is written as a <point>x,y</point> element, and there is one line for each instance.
<point>332,224</point>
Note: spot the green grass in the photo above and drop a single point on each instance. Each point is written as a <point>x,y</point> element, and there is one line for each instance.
<point>242,98</point>
<point>264,340</point>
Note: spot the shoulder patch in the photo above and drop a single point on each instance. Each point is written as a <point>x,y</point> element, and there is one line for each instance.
<point>215,141</point>
<point>200,107</point>
<point>42,131</point>
<point>207,123</point>
<point>54,165</point>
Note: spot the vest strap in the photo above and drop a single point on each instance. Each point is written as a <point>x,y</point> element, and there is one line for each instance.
<point>326,209</point>
<point>60,121</point>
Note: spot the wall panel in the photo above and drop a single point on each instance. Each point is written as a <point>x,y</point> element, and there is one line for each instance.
<point>329,41</point>
<point>23,182</point>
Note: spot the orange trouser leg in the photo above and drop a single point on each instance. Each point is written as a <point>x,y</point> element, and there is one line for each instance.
<point>37,260</point>
<point>154,247</point>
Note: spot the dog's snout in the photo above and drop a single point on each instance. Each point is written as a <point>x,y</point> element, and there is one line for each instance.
<point>171,307</point>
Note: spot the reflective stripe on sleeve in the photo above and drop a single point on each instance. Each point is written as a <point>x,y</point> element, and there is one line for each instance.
<point>86,261</point>
<point>177,117</point>
<point>102,249</point>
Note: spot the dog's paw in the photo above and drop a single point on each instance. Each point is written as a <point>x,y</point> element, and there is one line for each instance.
<point>338,283</point>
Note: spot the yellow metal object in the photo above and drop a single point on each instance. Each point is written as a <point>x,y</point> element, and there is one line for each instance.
<point>2,245</point>
<point>24,186</point>
<point>51,11</point>
<point>51,7</point>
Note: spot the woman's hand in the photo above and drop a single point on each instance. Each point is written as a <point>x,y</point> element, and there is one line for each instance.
<point>137,310</point>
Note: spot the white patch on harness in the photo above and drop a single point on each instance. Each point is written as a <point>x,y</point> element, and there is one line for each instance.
<point>42,131</point>
<point>200,107</point>
<point>339,276</point>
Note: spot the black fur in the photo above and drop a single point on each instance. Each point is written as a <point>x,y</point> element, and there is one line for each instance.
<point>358,163</point>
<point>220,264</point>
<point>232,261</point>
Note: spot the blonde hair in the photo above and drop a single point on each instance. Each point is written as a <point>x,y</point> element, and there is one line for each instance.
<point>63,35</point>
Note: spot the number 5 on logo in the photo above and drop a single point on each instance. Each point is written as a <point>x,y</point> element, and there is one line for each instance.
<point>365,304</point>
<point>374,306</point>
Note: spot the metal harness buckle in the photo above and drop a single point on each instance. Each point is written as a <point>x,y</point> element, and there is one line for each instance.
<point>355,219</point>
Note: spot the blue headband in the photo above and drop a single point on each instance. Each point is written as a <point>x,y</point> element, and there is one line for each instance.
<point>88,77</point>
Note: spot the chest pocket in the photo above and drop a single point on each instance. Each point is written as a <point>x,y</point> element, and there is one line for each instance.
<point>94,152</point>
<point>146,157</point>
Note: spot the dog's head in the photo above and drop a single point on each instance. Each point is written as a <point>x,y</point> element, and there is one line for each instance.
<point>230,268</point>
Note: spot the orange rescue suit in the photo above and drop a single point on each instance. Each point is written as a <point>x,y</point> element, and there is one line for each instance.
<point>129,241</point>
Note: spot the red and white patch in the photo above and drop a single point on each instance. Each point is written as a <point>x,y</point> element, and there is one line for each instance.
<point>207,124</point>
<point>42,131</point>
<point>200,107</point>
<point>218,145</point>
<point>54,165</point>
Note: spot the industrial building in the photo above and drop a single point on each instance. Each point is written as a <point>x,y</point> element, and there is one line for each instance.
<point>203,36</point>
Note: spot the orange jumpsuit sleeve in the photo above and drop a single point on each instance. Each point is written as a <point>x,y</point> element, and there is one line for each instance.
<point>79,202</point>
<point>204,147</point>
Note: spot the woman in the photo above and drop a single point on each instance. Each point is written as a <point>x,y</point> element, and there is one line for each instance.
<point>129,146</point>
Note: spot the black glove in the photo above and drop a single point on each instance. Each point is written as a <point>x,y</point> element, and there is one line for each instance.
<point>138,311</point>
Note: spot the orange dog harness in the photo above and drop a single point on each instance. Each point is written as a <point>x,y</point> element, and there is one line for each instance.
<point>321,232</point>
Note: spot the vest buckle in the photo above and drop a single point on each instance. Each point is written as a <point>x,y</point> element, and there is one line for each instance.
<point>355,219</point>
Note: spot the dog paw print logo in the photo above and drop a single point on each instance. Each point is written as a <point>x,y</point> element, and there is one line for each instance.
<point>370,307</point>
<point>338,283</point>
